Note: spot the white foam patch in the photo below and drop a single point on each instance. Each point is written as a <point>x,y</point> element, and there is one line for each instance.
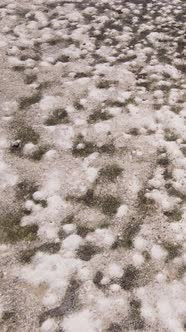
<point>157,252</point>
<point>122,211</point>
<point>166,304</point>
<point>69,228</point>
<point>115,270</point>
<point>112,308</point>
<point>50,155</point>
<point>91,173</point>
<point>115,288</point>
<point>29,149</point>
<point>51,300</point>
<point>140,243</point>
<point>72,242</point>
<point>49,325</point>
<point>63,137</point>
<point>7,176</point>
<point>101,237</point>
<point>50,103</point>
<point>138,259</point>
<point>165,201</point>
<point>59,270</point>
<point>82,321</point>
<point>102,127</point>
<point>48,218</point>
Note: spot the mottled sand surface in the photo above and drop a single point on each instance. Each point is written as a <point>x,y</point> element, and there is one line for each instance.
<point>92,166</point>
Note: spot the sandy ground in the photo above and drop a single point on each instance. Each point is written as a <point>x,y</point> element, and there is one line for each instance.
<point>92,166</point>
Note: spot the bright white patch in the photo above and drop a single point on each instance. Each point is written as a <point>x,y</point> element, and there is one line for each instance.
<point>102,127</point>
<point>161,277</point>
<point>72,242</point>
<point>105,281</point>
<point>29,148</point>
<point>138,259</point>
<point>115,270</point>
<point>29,205</point>
<point>140,243</point>
<point>59,272</point>
<point>148,312</point>
<point>63,136</point>
<point>82,321</point>
<point>49,325</point>
<point>41,18</point>
<point>157,252</point>
<point>47,218</point>
<point>91,174</point>
<point>15,62</point>
<point>49,103</point>
<point>38,195</point>
<point>51,154</point>
<point>50,300</point>
<point>110,308</point>
<point>122,211</point>
<point>69,228</point>
<point>165,201</point>
<point>7,178</point>
<point>115,288</point>
<point>101,237</point>
<point>84,274</point>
